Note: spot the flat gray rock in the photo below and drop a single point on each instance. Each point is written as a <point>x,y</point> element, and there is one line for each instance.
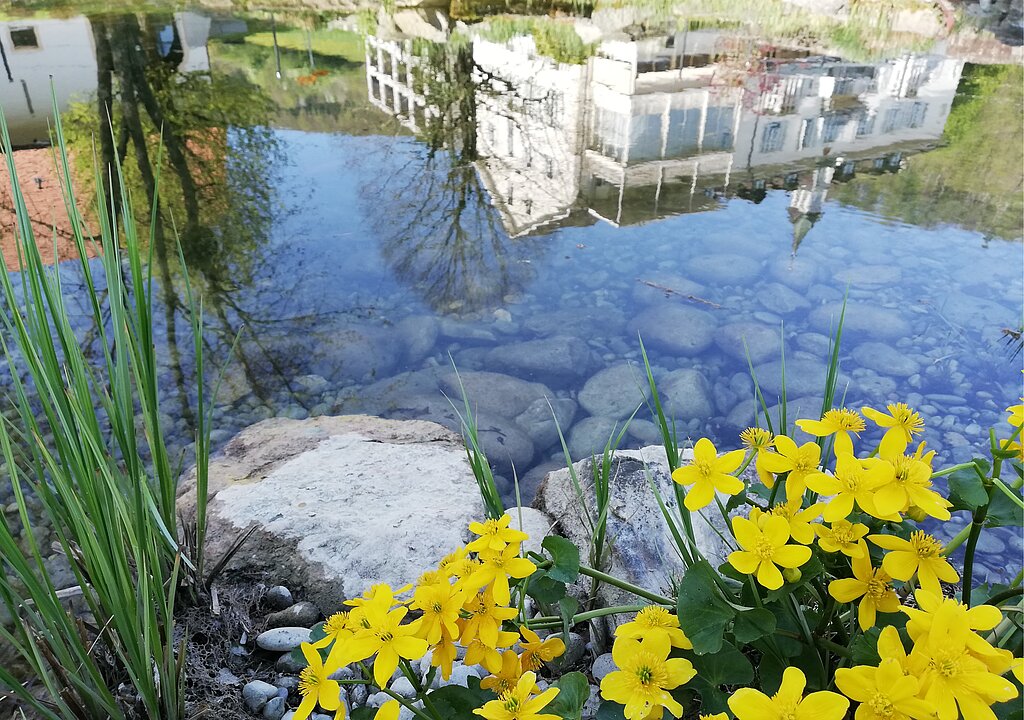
<point>339,503</point>
<point>675,328</point>
<point>615,392</point>
<point>282,639</point>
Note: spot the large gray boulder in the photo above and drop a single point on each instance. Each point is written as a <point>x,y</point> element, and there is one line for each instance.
<point>339,503</point>
<point>640,546</point>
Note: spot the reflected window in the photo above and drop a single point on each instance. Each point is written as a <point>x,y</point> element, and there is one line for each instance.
<point>809,133</point>
<point>866,124</point>
<point>773,137</point>
<point>24,38</point>
<point>917,114</point>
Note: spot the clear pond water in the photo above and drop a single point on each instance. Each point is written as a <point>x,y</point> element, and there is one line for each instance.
<point>367,200</point>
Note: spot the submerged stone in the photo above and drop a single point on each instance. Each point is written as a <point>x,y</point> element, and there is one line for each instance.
<point>616,391</point>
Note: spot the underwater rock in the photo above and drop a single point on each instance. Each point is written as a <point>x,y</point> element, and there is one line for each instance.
<point>724,269</point>
<point>616,391</point>
<point>495,392</point>
<point>560,356</point>
<point>686,395</point>
<point>590,435</point>
<point>884,359</point>
<point>675,328</point>
<point>870,321</point>
<point>762,341</point>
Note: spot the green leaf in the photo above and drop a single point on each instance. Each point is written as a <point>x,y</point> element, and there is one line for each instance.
<point>753,624</point>
<point>457,703</point>
<point>703,614</point>
<point>966,490</point>
<point>728,666</point>
<point>545,590</point>
<point>565,556</point>
<point>567,607</point>
<point>573,693</point>
<point>610,711</point>
<point>1003,512</point>
<point>363,713</point>
<point>712,699</point>
<point>317,632</point>
<point>865,648</point>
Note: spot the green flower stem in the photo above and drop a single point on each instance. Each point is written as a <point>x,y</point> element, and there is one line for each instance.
<point>418,686</point>
<point>1018,580</point>
<point>395,696</point>
<point>1005,595</point>
<point>952,469</point>
<point>977,523</point>
<point>623,585</point>
<point>554,621</point>
<point>1000,485</point>
<point>821,643</point>
<point>957,541</point>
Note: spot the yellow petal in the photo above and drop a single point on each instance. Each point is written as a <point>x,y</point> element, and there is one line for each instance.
<point>750,704</point>
<point>769,576</point>
<point>847,589</point>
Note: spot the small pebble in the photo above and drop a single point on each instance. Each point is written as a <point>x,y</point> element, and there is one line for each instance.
<point>256,693</point>
<point>275,709</point>
<point>282,639</point>
<point>278,598</point>
<point>301,614</point>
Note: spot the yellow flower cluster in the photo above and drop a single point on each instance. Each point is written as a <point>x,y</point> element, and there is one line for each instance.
<point>645,672</point>
<point>464,601</point>
<point>950,672</point>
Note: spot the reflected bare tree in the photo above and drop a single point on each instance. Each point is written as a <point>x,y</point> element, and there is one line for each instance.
<point>439,231</point>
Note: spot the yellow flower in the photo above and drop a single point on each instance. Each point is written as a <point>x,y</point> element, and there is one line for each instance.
<point>645,676</point>
<point>903,424</point>
<point>388,711</point>
<point>835,422</point>
<point>855,481</point>
<point>655,620</point>
<point>389,639</point>
<point>517,704</point>
<point>507,677</point>
<point>873,586</point>
<point>884,692</point>
<point>981,618</point>
<point>315,686</point>
<point>909,483</point>
<point>800,462</point>
<point>708,473</point>
<point>760,441</point>
<point>485,618</point>
<point>764,550</point>
<point>788,703</point>
<point>494,534</point>
<point>953,681</point>
<point>479,654</point>
<point>443,654</point>
<point>1016,417</point>
<point>800,519</point>
<point>843,536</point>
<point>498,566</point>
<point>380,595</point>
<point>921,555</point>
<point>890,647</point>
<point>337,630</point>
<point>440,604</point>
<point>536,652</point>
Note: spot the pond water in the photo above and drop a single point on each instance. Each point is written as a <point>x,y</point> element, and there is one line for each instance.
<point>369,200</point>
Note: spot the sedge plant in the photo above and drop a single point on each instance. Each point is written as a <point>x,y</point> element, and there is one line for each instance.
<point>82,432</point>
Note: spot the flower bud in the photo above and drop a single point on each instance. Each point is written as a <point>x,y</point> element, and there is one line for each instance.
<point>916,514</point>
<point>792,574</point>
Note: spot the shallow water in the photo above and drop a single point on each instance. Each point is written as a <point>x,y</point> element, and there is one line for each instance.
<point>365,227</point>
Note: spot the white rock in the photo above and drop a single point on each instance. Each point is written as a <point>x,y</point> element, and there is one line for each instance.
<point>340,503</point>
<point>282,639</point>
<point>534,523</point>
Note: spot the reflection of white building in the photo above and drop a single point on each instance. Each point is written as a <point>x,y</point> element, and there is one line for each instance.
<point>390,69</point>
<point>32,51</point>
<point>670,124</point>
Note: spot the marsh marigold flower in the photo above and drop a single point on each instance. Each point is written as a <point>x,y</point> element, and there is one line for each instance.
<point>920,554</point>
<point>440,604</point>
<point>388,711</point>
<point>498,566</point>
<point>953,681</point>
<point>902,425</point>
<point>835,422</point>
<point>801,519</point>
<point>479,654</point>
<point>494,534</point>
<point>485,618</point>
<point>536,652</point>
<point>389,639</point>
<point>709,473</point>
<point>519,703</point>
<point>843,536</point>
<point>854,483</point>
<point>655,620</point>
<point>789,702</point>
<point>315,685</point>
<point>801,462</point>
<point>884,692</point>
<point>909,484</point>
<point>645,677</point>
<point>873,586</point>
<point>980,618</point>
<point>1016,415</point>
<point>507,676</point>
<point>764,550</point>
<point>760,441</point>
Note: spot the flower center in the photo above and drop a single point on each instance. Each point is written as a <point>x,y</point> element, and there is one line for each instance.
<point>385,636</point>
<point>653,617</point>
<point>436,607</point>
<point>925,545</point>
<point>844,420</point>
<point>843,535</point>
<point>510,702</point>
<point>309,681</point>
<point>764,550</point>
<point>906,418</point>
<point>786,710</point>
<point>703,467</point>
<point>644,675</point>
<point>877,588</point>
<point>881,705</point>
<point>946,666</point>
